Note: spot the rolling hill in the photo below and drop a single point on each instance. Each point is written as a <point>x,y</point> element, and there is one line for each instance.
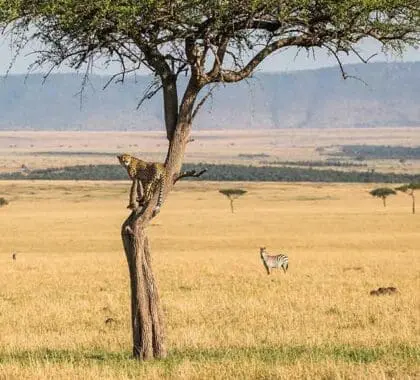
<point>390,96</point>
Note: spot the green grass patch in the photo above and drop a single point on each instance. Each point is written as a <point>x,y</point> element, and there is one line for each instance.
<point>268,355</point>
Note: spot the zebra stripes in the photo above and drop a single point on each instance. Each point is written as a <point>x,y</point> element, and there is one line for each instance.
<point>270,262</point>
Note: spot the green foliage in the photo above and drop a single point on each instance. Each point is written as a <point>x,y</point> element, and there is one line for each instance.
<point>280,354</point>
<point>233,193</point>
<point>3,202</point>
<point>382,192</point>
<point>410,186</point>
<point>409,190</point>
<point>75,31</point>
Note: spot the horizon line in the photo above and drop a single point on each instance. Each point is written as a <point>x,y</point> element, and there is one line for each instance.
<point>284,71</point>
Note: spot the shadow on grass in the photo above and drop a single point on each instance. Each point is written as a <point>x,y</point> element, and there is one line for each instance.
<point>268,355</point>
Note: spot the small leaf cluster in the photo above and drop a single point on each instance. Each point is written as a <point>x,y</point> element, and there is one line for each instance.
<point>382,192</point>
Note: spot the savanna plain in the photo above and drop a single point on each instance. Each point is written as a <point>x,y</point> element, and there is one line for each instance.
<point>64,301</point>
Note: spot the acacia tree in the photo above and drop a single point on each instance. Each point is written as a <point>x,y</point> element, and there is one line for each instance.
<point>208,41</point>
<point>409,190</point>
<point>383,193</point>
<point>232,194</point>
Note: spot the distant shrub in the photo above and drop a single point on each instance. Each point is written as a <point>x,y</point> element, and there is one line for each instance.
<point>232,194</point>
<point>3,202</point>
<point>382,192</point>
<point>409,189</point>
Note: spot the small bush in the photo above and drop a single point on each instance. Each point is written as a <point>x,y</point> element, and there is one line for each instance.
<point>3,202</point>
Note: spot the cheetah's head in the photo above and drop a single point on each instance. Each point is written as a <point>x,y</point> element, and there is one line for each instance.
<point>125,159</point>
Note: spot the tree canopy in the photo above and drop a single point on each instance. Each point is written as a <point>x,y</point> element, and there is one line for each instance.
<point>408,187</point>
<point>382,192</point>
<point>232,193</point>
<point>409,190</point>
<point>210,41</point>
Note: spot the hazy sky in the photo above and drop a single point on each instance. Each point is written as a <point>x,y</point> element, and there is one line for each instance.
<point>285,60</point>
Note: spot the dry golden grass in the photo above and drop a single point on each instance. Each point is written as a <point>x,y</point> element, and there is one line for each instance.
<point>225,317</point>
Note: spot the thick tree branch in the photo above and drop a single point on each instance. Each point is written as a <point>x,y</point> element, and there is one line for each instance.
<point>219,56</point>
<point>169,84</point>
<point>236,76</point>
<point>170,103</point>
<point>194,57</point>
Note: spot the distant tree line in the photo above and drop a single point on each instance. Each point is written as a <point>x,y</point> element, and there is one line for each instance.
<point>221,173</point>
<point>326,163</point>
<point>253,155</point>
<point>371,152</point>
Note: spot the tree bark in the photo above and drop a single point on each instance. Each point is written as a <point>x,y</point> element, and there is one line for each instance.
<point>414,203</point>
<point>146,313</point>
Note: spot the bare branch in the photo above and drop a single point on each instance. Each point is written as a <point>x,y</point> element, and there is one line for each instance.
<point>47,74</point>
<point>122,73</point>
<point>202,101</point>
<point>85,81</point>
<point>364,60</point>
<point>190,173</point>
<point>340,65</point>
<point>154,87</point>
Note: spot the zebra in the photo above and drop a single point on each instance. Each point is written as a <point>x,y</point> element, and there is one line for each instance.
<point>274,261</point>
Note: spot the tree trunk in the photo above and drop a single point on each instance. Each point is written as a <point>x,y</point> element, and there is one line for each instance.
<point>384,200</point>
<point>414,203</point>
<point>146,313</point>
<point>231,205</point>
